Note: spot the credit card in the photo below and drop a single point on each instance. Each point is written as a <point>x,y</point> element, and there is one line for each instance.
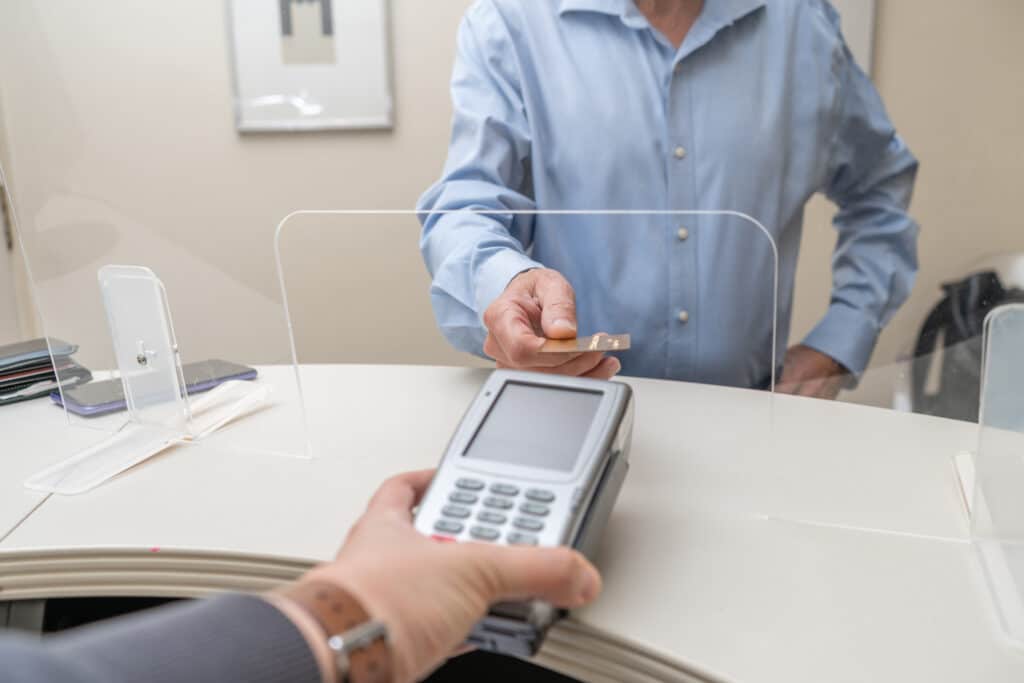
<point>595,342</point>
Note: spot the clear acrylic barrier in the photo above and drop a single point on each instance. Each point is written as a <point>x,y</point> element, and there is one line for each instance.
<point>83,198</point>
<point>936,370</point>
<point>228,319</point>
<point>354,297</point>
<point>175,343</point>
<point>997,505</point>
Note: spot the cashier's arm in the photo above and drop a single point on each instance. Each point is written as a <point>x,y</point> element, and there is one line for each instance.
<point>429,595</point>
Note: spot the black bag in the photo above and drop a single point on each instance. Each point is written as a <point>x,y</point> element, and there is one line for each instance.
<point>959,318</point>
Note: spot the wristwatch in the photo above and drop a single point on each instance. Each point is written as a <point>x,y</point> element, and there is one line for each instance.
<point>359,643</point>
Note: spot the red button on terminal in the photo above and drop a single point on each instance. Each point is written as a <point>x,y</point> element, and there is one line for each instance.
<point>443,539</point>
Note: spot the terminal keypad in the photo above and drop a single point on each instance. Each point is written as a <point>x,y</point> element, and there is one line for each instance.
<point>491,517</point>
<point>463,497</point>
<point>485,533</point>
<point>448,526</point>
<point>504,489</point>
<point>498,502</point>
<point>535,509</point>
<point>528,524</point>
<point>490,512</point>
<point>455,511</point>
<point>540,495</point>
<point>519,538</point>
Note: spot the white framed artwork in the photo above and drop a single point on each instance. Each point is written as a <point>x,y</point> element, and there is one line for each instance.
<point>304,65</point>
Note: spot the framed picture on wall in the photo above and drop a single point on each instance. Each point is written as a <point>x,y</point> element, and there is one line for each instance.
<point>304,65</point>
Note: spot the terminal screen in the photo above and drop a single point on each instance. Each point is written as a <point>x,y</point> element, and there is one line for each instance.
<point>536,426</point>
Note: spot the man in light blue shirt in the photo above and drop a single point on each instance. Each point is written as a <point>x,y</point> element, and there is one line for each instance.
<point>749,106</point>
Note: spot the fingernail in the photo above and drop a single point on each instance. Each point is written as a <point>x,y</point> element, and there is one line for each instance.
<point>566,323</point>
<point>616,364</point>
<point>589,585</point>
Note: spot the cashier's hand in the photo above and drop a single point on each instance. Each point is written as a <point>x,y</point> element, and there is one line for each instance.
<point>539,304</point>
<point>431,593</point>
<point>808,372</point>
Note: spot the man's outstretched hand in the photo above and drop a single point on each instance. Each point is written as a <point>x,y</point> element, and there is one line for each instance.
<point>537,305</point>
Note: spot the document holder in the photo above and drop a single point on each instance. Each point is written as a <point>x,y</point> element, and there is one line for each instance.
<point>144,395</point>
<point>159,410</point>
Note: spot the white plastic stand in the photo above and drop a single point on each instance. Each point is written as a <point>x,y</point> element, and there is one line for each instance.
<point>160,413</point>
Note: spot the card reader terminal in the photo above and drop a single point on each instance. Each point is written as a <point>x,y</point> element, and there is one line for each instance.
<point>537,460</point>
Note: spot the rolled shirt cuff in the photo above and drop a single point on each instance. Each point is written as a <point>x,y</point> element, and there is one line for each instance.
<point>846,335</point>
<point>493,276</point>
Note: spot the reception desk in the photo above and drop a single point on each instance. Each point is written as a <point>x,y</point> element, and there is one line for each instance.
<point>757,538</point>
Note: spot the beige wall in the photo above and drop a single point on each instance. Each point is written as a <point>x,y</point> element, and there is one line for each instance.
<point>140,98</point>
<point>124,150</point>
<point>13,304</point>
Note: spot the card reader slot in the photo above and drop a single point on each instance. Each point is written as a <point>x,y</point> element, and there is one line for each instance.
<point>588,536</point>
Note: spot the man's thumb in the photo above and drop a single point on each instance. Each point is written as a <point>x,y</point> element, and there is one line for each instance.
<point>558,306</point>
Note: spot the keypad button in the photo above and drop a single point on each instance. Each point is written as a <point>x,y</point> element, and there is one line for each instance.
<point>491,517</point>
<point>498,503</point>
<point>518,538</point>
<point>535,509</point>
<point>484,533</point>
<point>528,524</point>
<point>540,495</point>
<point>464,497</point>
<point>456,511</point>
<point>448,526</point>
<point>468,484</point>
<point>505,489</point>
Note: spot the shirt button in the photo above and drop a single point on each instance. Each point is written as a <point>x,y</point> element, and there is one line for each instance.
<point>680,152</point>
<point>684,316</point>
<point>683,233</point>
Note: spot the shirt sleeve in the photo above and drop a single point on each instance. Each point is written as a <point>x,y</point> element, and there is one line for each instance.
<point>229,638</point>
<point>473,256</point>
<point>871,175</point>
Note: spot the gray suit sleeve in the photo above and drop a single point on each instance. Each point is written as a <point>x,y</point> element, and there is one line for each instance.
<point>228,638</point>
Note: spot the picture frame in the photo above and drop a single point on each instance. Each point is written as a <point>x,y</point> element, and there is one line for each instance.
<point>310,65</point>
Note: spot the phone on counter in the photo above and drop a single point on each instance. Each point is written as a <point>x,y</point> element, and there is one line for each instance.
<point>107,396</point>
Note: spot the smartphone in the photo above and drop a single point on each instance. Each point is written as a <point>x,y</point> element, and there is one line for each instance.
<point>107,396</point>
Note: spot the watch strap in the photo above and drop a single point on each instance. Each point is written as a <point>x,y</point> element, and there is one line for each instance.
<point>344,620</point>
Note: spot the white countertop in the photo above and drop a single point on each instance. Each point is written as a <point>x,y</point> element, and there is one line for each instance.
<point>757,538</point>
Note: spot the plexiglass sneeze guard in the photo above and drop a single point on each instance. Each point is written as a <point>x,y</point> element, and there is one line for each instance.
<point>151,381</point>
<point>155,389</point>
<point>130,383</point>
<point>357,291</point>
<point>997,506</point>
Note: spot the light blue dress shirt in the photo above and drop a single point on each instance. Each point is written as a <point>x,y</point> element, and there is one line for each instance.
<point>582,105</point>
